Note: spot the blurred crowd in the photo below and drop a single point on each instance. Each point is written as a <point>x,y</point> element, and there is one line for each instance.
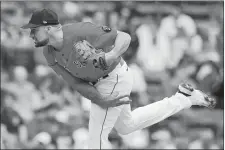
<point>172,42</point>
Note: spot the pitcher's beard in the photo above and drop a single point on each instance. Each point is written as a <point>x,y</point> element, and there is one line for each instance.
<point>42,43</point>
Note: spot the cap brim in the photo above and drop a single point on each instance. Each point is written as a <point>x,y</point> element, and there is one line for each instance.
<point>30,25</point>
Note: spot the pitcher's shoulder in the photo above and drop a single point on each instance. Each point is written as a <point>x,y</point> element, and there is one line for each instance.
<point>73,26</point>
<point>73,29</point>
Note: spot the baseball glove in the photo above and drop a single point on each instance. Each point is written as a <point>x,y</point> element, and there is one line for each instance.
<point>86,52</point>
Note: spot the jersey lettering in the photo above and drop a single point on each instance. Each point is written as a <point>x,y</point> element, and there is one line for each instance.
<point>79,64</point>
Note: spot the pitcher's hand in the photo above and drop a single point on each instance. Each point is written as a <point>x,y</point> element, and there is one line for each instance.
<point>114,100</point>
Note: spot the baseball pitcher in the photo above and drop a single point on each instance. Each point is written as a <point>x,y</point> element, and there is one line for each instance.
<point>89,58</point>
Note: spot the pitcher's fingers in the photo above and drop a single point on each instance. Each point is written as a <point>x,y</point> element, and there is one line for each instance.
<point>115,94</point>
<point>123,102</point>
<point>123,96</point>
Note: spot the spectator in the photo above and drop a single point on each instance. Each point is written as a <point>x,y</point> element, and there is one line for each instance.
<point>23,90</point>
<point>137,139</point>
<point>197,144</point>
<point>16,128</point>
<point>80,137</point>
<point>181,31</point>
<point>42,141</point>
<point>163,139</point>
<point>64,142</point>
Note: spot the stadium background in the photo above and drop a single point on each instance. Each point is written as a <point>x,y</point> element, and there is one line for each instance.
<point>40,110</point>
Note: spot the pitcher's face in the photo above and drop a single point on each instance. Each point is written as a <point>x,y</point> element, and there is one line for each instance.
<point>40,36</point>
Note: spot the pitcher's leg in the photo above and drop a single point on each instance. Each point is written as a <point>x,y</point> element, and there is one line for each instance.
<point>148,115</point>
<point>101,123</point>
<point>153,113</point>
<point>103,120</point>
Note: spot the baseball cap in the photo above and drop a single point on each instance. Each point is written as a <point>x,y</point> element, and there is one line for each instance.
<point>42,18</point>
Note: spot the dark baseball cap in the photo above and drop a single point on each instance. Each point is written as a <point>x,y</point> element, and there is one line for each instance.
<point>42,17</point>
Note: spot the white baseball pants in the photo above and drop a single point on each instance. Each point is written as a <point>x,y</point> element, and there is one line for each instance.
<point>124,120</point>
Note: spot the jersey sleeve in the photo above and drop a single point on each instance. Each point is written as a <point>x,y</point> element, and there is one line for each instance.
<point>98,36</point>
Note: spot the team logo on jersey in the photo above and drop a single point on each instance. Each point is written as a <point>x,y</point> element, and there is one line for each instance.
<point>106,28</point>
<point>95,63</point>
<point>79,64</point>
<point>78,54</point>
<point>98,50</point>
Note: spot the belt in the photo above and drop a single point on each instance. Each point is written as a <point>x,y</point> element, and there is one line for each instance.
<point>100,78</point>
<point>121,63</point>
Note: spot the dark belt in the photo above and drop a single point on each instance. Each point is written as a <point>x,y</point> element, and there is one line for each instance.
<point>103,78</point>
<point>121,63</point>
<point>100,78</point>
